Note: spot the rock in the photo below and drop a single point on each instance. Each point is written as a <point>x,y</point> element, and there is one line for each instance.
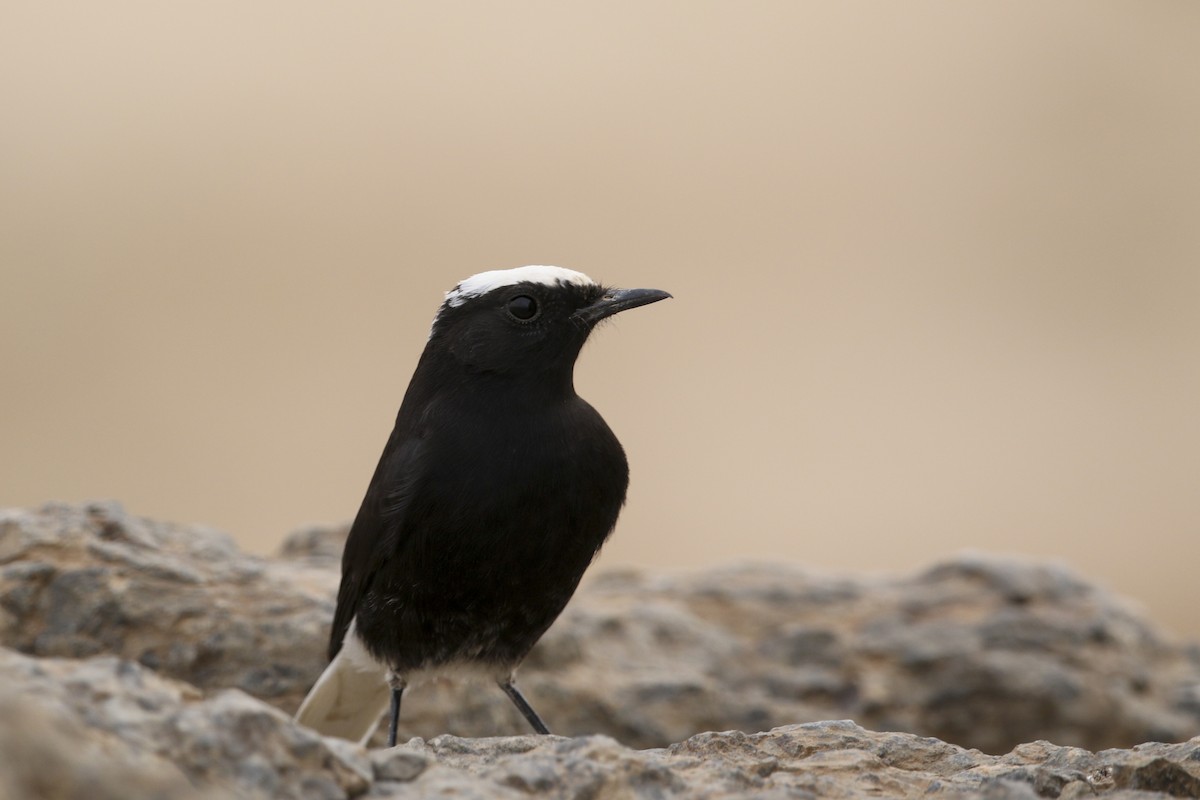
<point>228,742</point>
<point>317,545</point>
<point>77,581</point>
<point>102,727</point>
<point>49,754</point>
<point>819,760</point>
<point>976,651</point>
<point>981,652</point>
<point>148,650</point>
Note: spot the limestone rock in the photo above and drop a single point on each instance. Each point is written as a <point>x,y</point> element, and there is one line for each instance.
<point>102,727</point>
<point>977,651</point>
<point>44,754</point>
<point>980,652</point>
<point>165,733</point>
<point>818,760</point>
<point>77,581</point>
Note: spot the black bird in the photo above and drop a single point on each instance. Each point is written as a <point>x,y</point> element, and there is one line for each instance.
<point>494,493</point>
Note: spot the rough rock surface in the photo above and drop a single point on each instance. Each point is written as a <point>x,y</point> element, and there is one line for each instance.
<point>107,728</point>
<point>168,736</point>
<point>44,754</point>
<point>976,651</point>
<point>143,647</point>
<point>835,759</point>
<point>77,581</point>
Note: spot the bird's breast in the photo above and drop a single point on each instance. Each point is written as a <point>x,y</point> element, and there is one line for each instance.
<point>509,512</point>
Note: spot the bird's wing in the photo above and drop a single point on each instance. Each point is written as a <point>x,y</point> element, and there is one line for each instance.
<point>378,528</point>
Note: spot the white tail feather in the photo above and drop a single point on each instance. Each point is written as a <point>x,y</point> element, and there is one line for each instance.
<point>351,695</point>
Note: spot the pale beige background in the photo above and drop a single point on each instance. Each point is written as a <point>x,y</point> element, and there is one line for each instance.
<point>936,265</point>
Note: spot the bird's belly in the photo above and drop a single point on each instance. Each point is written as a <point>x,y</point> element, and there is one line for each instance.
<point>472,617</point>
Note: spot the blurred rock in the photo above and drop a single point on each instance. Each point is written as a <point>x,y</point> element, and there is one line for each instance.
<point>122,714</point>
<point>77,581</point>
<point>46,753</point>
<point>316,544</point>
<point>977,651</point>
<point>981,652</point>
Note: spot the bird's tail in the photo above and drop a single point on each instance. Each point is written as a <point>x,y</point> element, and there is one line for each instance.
<point>349,698</point>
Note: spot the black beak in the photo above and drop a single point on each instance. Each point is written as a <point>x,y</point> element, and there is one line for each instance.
<point>615,301</point>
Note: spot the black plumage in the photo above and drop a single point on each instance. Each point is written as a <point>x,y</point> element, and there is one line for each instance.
<point>494,492</point>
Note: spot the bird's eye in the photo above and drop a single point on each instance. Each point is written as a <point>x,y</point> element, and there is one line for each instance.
<point>523,308</point>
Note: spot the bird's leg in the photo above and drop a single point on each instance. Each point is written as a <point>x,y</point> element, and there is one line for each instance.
<point>394,715</point>
<point>523,706</point>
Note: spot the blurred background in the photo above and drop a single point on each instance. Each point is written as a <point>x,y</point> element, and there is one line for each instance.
<point>936,266</point>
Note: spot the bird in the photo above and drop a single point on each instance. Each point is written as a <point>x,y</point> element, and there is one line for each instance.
<point>494,492</point>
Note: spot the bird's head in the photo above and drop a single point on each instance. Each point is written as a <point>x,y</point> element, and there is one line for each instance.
<point>528,319</point>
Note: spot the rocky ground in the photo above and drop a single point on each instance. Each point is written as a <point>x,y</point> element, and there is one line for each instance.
<point>141,659</point>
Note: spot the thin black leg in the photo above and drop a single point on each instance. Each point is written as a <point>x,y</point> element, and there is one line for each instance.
<point>523,706</point>
<point>394,716</point>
